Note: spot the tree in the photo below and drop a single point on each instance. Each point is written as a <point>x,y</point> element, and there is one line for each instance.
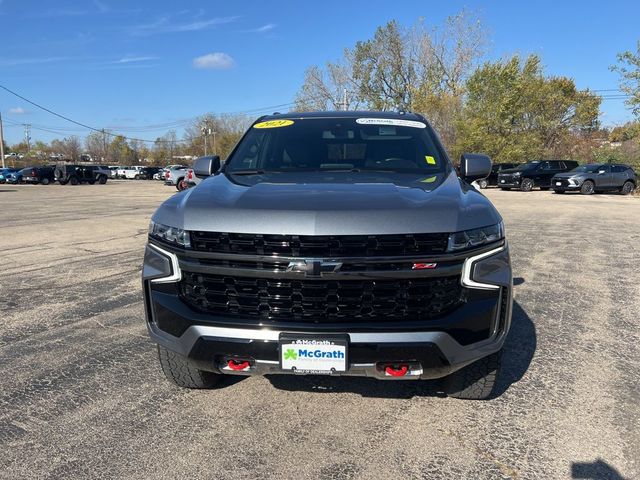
<point>419,68</point>
<point>69,148</point>
<point>514,113</point>
<point>629,69</point>
<point>94,145</point>
<point>229,129</point>
<point>120,151</point>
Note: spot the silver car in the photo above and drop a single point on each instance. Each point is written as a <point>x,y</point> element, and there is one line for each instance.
<point>596,177</point>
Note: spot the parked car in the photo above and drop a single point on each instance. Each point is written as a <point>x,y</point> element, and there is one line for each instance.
<point>176,177</point>
<point>75,174</point>
<point>142,173</point>
<point>43,175</point>
<point>537,173</point>
<point>278,263</point>
<point>113,171</point>
<point>14,177</point>
<point>492,179</point>
<point>4,172</point>
<point>596,177</point>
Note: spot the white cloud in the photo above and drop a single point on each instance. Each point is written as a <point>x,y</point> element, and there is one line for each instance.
<point>17,111</point>
<point>214,61</point>
<point>129,59</point>
<point>10,62</point>
<point>265,28</point>
<point>164,25</point>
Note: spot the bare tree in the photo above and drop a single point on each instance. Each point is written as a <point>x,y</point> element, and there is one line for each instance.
<point>94,145</point>
<point>71,148</point>
<point>418,68</point>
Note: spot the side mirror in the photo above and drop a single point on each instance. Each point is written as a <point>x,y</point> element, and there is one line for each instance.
<point>474,166</point>
<point>206,166</point>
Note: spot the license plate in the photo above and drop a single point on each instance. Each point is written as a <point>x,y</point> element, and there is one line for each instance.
<point>502,181</point>
<point>559,184</point>
<point>303,354</point>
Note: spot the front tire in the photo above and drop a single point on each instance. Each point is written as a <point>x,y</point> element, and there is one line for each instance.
<point>587,188</point>
<point>526,185</point>
<point>475,381</point>
<point>102,180</point>
<point>74,181</point>
<point>178,370</point>
<point>627,188</point>
<point>483,183</point>
<point>45,181</point>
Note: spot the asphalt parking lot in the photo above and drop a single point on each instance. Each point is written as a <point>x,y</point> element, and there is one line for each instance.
<point>82,395</point>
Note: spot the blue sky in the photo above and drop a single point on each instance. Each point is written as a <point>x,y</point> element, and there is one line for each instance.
<point>111,63</point>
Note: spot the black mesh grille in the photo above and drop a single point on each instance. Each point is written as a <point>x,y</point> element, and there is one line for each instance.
<point>322,301</point>
<point>562,181</point>
<point>321,246</point>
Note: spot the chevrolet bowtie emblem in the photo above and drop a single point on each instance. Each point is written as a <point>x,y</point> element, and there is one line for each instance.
<point>313,267</point>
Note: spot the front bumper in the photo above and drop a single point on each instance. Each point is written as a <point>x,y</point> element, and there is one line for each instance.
<point>432,348</point>
<point>508,183</point>
<point>563,185</point>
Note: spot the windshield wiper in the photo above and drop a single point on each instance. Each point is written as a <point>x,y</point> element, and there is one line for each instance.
<point>248,172</point>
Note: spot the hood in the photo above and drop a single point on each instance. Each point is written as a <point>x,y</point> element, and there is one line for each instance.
<point>511,170</point>
<point>322,203</point>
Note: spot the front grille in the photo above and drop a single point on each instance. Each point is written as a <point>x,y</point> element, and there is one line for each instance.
<point>562,181</point>
<point>321,301</point>
<point>422,244</point>
<point>507,179</point>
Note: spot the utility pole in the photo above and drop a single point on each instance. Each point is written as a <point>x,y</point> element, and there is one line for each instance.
<point>213,152</point>
<point>1,142</point>
<point>104,145</point>
<point>207,131</point>
<point>27,136</point>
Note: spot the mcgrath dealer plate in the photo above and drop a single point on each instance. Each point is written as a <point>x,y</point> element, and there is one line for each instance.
<point>315,354</point>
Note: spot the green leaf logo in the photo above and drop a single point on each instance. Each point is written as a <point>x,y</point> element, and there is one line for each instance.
<point>290,354</point>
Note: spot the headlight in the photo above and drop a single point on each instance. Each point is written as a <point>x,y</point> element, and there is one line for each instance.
<point>574,181</point>
<point>168,234</point>
<point>475,237</point>
<point>517,174</point>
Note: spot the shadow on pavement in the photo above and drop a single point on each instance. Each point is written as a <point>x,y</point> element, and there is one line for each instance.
<point>518,352</point>
<point>595,470</point>
<point>518,349</point>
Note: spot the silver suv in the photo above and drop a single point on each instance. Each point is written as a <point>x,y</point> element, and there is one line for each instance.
<point>588,179</point>
<point>334,243</point>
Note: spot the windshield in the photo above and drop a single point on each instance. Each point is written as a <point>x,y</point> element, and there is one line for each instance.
<point>528,166</point>
<point>586,169</point>
<point>337,144</point>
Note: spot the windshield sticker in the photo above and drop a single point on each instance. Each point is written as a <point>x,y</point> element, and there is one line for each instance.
<point>273,124</point>
<point>391,121</point>
<point>430,159</point>
<point>429,179</point>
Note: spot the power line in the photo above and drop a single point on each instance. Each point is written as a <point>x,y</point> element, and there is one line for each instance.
<point>176,124</point>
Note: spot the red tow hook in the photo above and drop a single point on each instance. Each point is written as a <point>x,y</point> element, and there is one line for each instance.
<point>397,372</point>
<point>233,365</point>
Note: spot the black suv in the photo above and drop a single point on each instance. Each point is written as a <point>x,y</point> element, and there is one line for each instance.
<point>43,175</point>
<point>492,179</point>
<point>75,174</point>
<point>336,243</point>
<point>591,178</point>
<point>537,173</point>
